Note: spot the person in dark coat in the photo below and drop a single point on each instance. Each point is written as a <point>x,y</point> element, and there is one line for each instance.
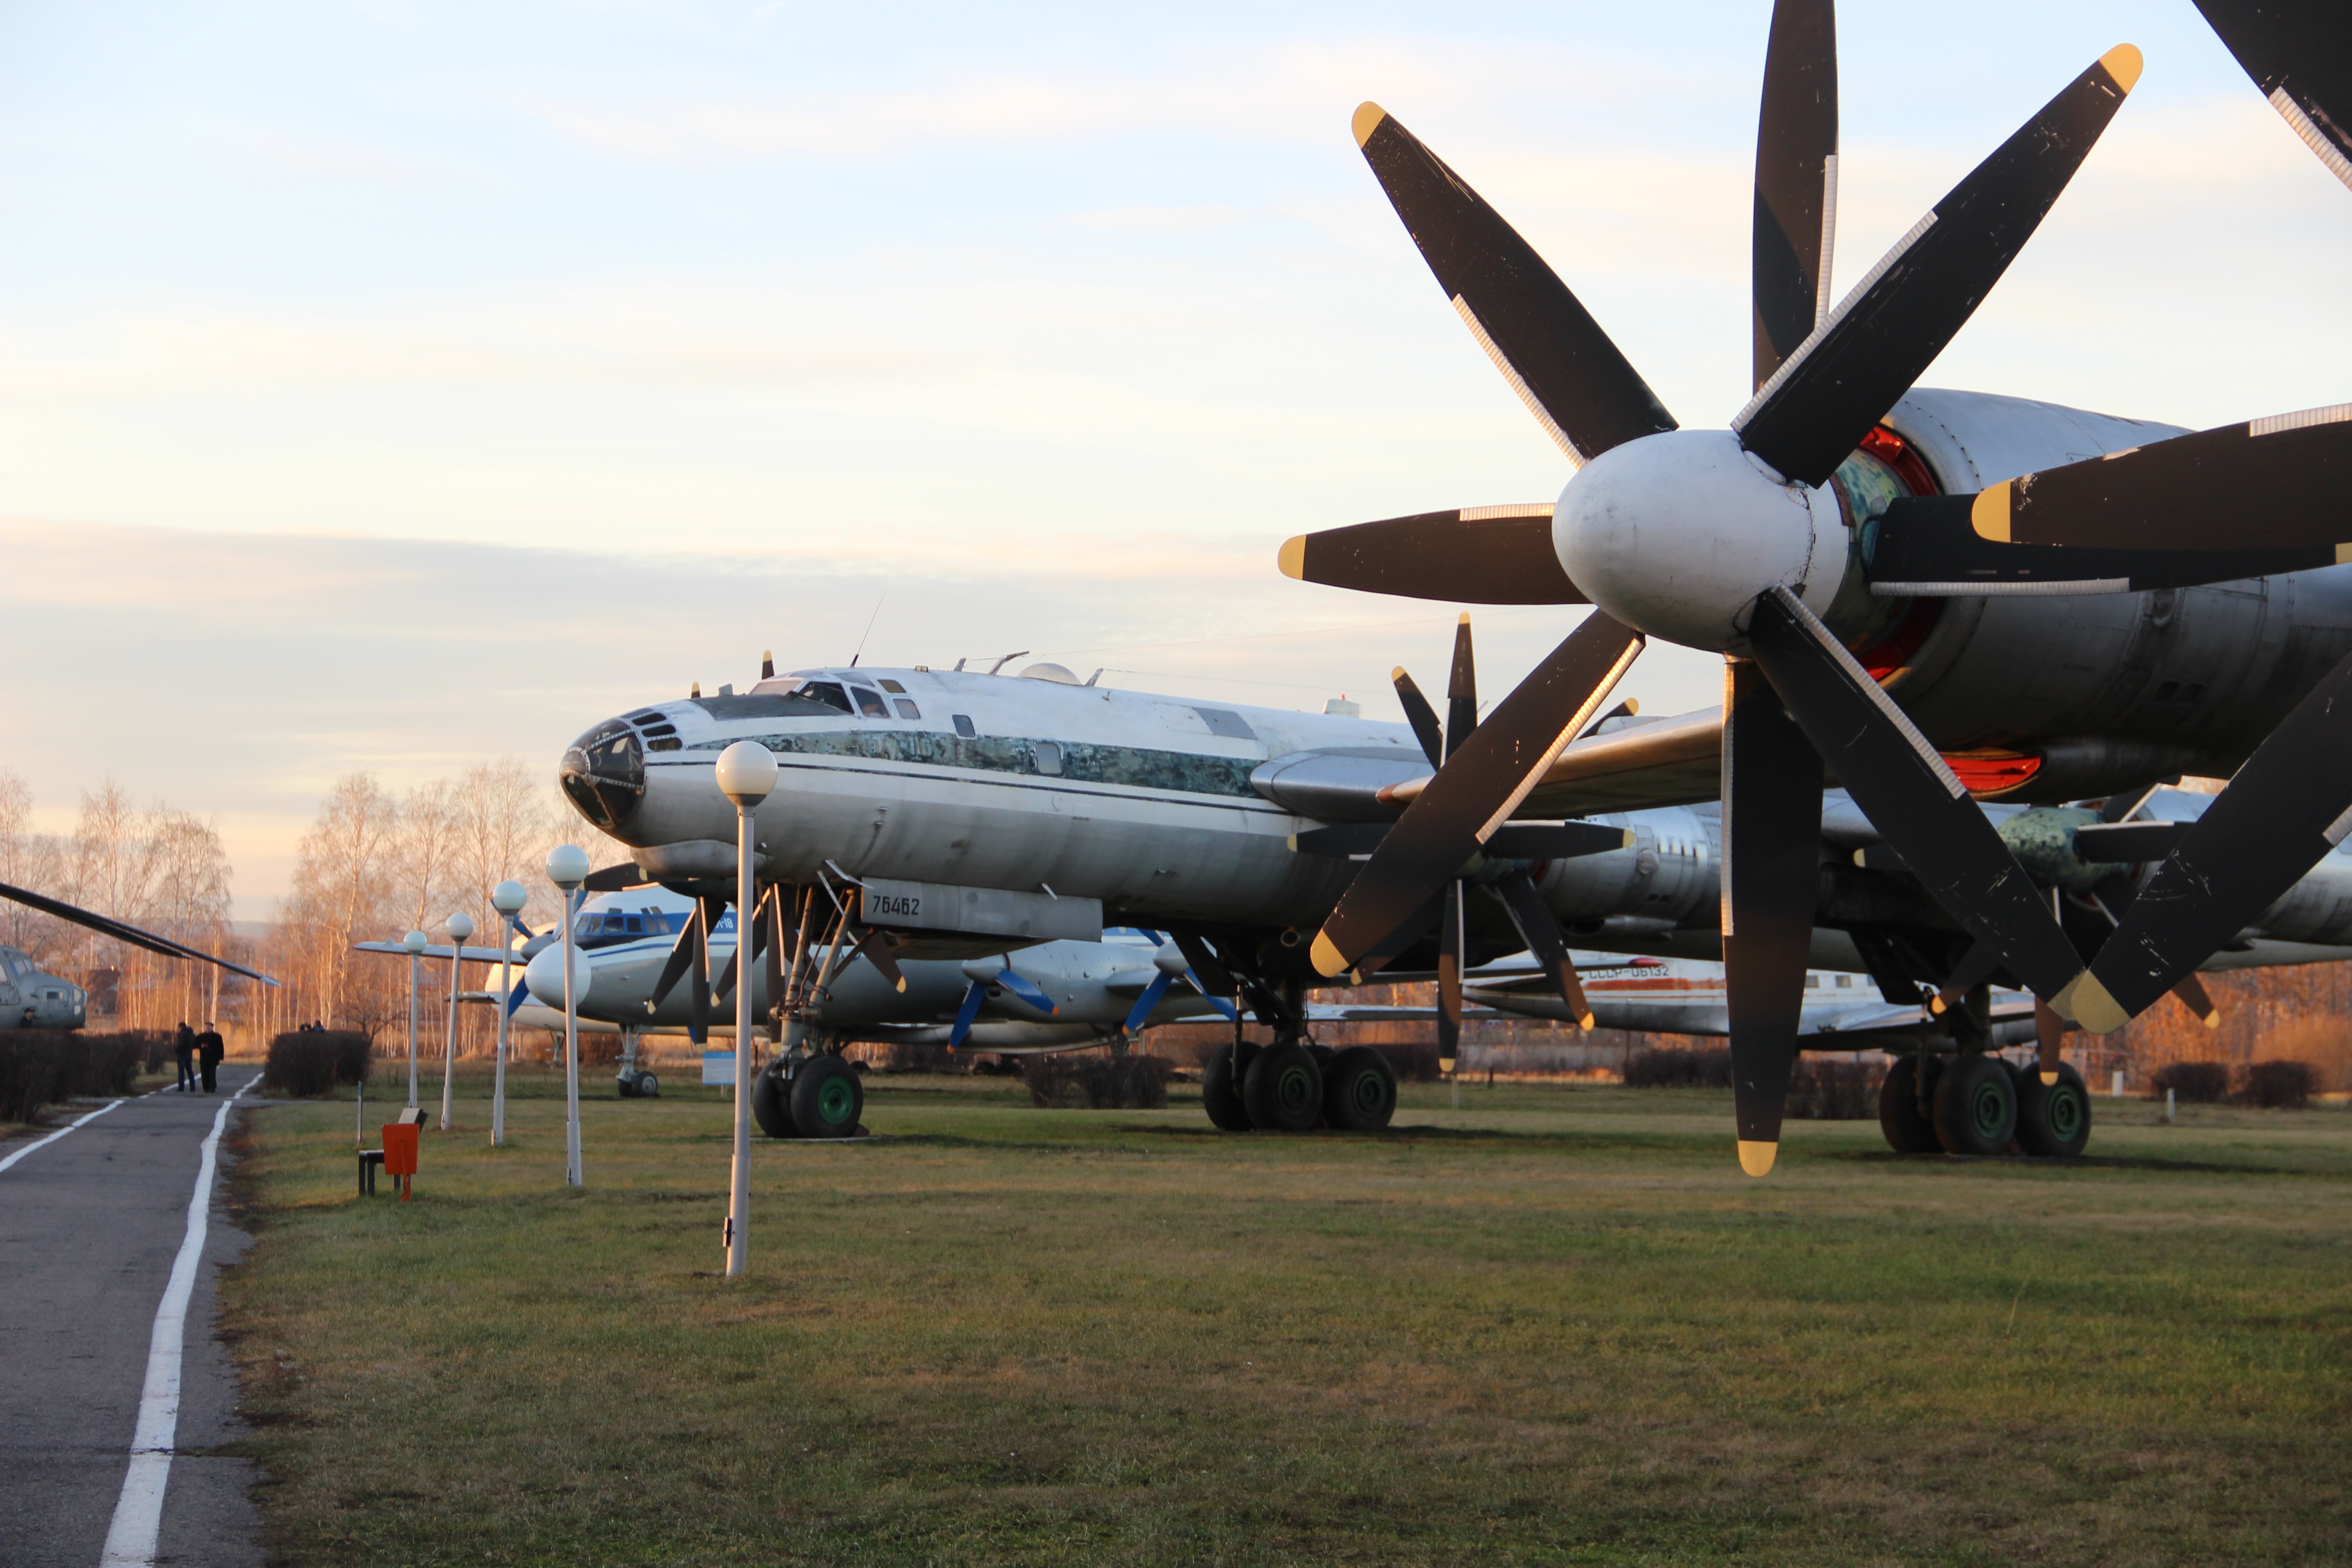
<point>210,1049</point>
<point>184,1047</point>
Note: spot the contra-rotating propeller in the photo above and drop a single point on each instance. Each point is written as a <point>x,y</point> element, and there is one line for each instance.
<point>1722,541</point>
<point>1515,887</point>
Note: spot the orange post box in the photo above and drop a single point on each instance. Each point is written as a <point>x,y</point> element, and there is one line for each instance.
<point>400,1153</point>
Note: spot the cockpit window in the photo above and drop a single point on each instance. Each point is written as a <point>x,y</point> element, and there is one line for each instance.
<point>893,687</point>
<point>869,702</point>
<point>824,691</point>
<point>906,710</point>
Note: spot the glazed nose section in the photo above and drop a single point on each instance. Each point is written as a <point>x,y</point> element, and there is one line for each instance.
<point>604,774</point>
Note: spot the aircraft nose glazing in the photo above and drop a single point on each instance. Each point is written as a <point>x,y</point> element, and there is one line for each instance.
<point>604,774</point>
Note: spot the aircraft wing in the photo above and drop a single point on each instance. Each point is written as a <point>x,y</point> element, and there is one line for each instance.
<point>441,949</point>
<point>1636,766</point>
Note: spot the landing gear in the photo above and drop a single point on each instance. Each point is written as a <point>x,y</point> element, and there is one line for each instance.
<point>818,1097</point>
<point>2053,1119</point>
<point>1976,1106</point>
<point>826,1098</point>
<point>1283,1090</point>
<point>1909,1130</point>
<point>1220,1093</point>
<point>633,1080</point>
<point>1359,1091</point>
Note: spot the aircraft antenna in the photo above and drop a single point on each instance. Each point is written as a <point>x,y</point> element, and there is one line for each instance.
<point>869,630</point>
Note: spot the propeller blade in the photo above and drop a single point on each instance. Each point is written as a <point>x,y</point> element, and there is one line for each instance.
<point>682,952</point>
<point>1476,555</point>
<point>2127,843</point>
<point>2049,1035</point>
<point>1449,980</point>
<point>1772,886</point>
<point>518,996</point>
<point>1420,715</point>
<point>974,994</point>
<point>1461,691</point>
<point>1927,547</point>
<point>697,1020</point>
<point>1204,966</point>
<point>1796,180</point>
<point>1909,793</point>
<point>2300,56</point>
<point>1586,395</point>
<point>2282,811</point>
<point>616,878</point>
<point>875,947</point>
<point>121,930</point>
<point>1546,944</point>
<point>1027,991</point>
<point>1148,1001</point>
<point>2274,484</point>
<point>2192,995</point>
<point>1828,394</point>
<point>1477,792</point>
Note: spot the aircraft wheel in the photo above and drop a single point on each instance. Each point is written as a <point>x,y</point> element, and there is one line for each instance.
<point>1976,1106</point>
<point>826,1098</point>
<point>1283,1090</point>
<point>649,1086</point>
<point>626,1089</point>
<point>1359,1092</point>
<point>772,1102</point>
<point>2055,1120</point>
<point>1907,1132</point>
<point>1220,1094</point>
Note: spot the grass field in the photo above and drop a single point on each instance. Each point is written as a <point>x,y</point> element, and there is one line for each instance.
<point>1554,1326</point>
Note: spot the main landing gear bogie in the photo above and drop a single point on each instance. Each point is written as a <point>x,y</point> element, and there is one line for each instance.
<point>1978,1104</point>
<point>1294,1087</point>
<point>821,1097</point>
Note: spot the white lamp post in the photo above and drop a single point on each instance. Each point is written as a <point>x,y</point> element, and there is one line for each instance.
<point>567,867</point>
<point>414,941</point>
<point>745,773</point>
<point>461,927</point>
<point>508,898</point>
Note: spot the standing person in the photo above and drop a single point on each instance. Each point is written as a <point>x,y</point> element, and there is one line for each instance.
<point>210,1049</point>
<point>184,1047</point>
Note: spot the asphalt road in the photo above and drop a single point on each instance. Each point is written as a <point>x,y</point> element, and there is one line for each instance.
<point>88,1229</point>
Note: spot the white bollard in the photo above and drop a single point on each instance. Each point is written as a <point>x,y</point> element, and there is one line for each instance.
<point>2116,1088</point>
<point>2168,1105</point>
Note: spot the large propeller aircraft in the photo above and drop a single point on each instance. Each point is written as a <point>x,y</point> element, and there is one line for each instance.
<point>1922,595</point>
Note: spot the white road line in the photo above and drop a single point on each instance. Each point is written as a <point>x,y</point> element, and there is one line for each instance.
<point>45,1143</point>
<point>139,1513</point>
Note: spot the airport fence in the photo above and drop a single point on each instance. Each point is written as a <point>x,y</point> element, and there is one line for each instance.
<point>41,1067</point>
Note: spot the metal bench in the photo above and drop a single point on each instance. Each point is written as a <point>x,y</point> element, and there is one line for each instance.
<point>371,1161</point>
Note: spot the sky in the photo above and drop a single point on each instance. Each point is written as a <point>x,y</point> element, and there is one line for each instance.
<point>394,386</point>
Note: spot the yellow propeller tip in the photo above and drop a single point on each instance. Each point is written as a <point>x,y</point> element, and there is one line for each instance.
<point>1755,1158</point>
<point>1585,1022</point>
<point>1368,119</point>
<point>1396,675</point>
<point>2050,1080</point>
<point>2124,63</point>
<point>1446,1066</point>
<point>2089,1005</point>
<point>1991,514</point>
<point>1326,955</point>
<point>1465,620</point>
<point>1292,557</point>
